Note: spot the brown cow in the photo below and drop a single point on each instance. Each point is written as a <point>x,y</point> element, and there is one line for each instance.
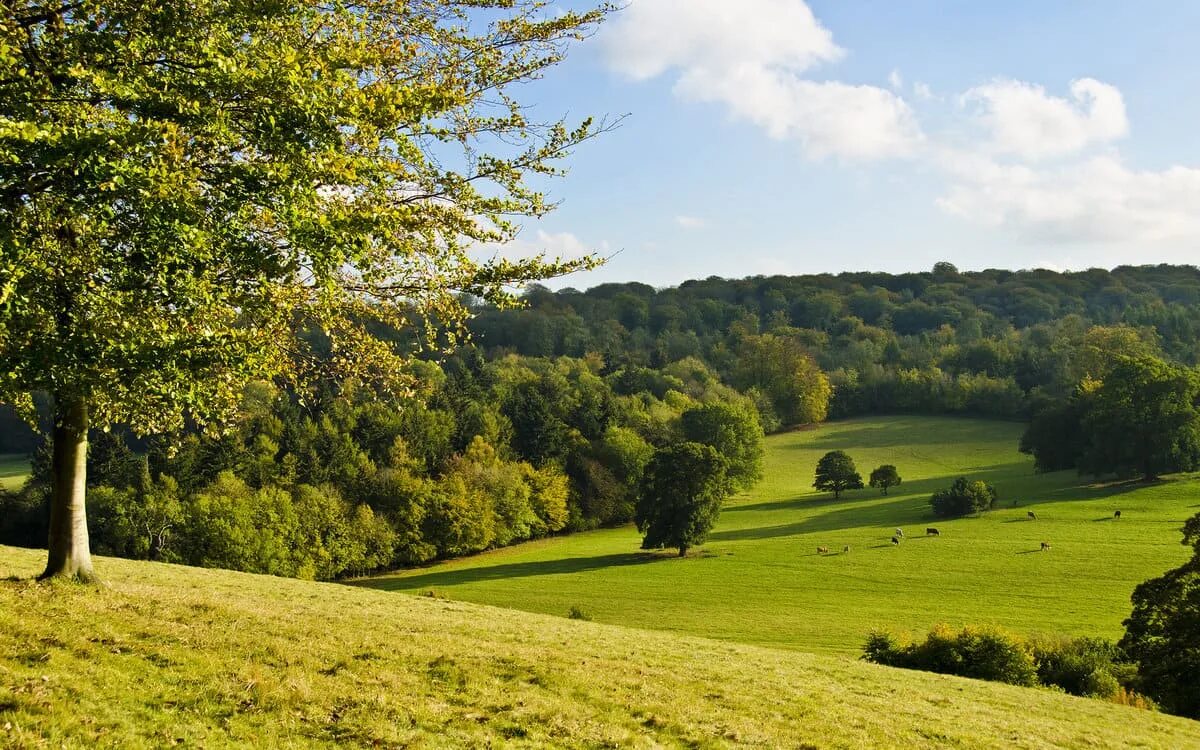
<point>1031,515</point>
<point>1117,515</point>
<point>1045,546</point>
<point>932,532</point>
<point>822,550</point>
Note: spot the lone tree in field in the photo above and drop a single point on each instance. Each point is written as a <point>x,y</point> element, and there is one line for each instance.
<point>836,472</point>
<point>1162,634</point>
<point>682,491</point>
<point>885,476</point>
<point>183,186</point>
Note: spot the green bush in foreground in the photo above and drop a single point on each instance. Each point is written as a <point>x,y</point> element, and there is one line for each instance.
<point>1089,667</point>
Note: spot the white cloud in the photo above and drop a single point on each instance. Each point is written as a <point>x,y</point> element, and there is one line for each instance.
<point>1098,200</point>
<point>690,222</point>
<point>895,80</point>
<point>751,56</point>
<point>1024,121</point>
<point>922,91</point>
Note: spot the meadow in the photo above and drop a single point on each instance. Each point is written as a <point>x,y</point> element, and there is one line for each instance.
<point>759,579</point>
<point>14,468</point>
<point>166,655</point>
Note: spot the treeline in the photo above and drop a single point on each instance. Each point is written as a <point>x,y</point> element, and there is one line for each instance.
<point>480,455</point>
<point>989,343</point>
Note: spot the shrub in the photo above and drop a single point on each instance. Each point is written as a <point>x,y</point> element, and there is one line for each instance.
<point>575,613</point>
<point>980,653</point>
<point>1089,667</point>
<point>963,498</point>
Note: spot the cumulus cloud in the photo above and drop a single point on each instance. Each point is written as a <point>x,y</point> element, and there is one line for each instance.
<point>895,80</point>
<point>751,57</point>
<point>1024,121</point>
<point>1098,200</point>
<point>690,222</point>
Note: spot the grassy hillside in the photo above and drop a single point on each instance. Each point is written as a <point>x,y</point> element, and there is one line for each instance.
<point>759,579</point>
<point>13,470</point>
<point>169,655</point>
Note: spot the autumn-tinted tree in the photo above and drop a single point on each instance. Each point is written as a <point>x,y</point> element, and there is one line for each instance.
<point>681,497</point>
<point>1162,634</point>
<point>184,184</point>
<point>836,472</point>
<point>884,477</point>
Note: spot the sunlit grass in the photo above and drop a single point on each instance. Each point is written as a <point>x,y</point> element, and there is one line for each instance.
<point>14,469</point>
<point>165,655</point>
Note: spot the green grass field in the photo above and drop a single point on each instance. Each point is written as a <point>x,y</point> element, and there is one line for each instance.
<point>166,655</point>
<point>14,469</point>
<point>758,579</point>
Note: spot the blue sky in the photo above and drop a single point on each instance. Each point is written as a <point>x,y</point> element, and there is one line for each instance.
<point>778,136</point>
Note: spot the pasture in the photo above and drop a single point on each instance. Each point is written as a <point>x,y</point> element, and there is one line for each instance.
<point>760,580</point>
<point>14,469</point>
<point>165,655</point>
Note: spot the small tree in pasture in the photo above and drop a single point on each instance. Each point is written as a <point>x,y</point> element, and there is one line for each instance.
<point>682,491</point>
<point>836,472</point>
<point>885,476</point>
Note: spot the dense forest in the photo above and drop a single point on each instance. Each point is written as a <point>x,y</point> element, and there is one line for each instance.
<point>548,421</point>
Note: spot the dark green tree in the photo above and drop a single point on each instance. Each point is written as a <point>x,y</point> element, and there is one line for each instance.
<point>885,476</point>
<point>732,428</point>
<point>1162,634</point>
<point>963,498</point>
<point>1144,419</point>
<point>836,472</point>
<point>682,492</point>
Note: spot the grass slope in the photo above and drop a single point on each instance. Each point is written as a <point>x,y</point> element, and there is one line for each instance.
<point>759,580</point>
<point>167,655</point>
<point>14,468</point>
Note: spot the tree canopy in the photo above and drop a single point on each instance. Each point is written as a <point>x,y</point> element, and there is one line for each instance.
<point>836,472</point>
<point>885,476</point>
<point>683,489</point>
<point>182,186</point>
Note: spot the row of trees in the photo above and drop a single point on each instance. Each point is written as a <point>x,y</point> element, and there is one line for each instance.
<point>990,343</point>
<point>482,454</point>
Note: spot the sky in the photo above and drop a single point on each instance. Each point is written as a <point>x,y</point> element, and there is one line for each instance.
<point>788,137</point>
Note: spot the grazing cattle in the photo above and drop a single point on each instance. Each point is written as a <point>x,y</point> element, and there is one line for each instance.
<point>900,533</point>
<point>1045,546</point>
<point>1117,514</point>
<point>895,540</point>
<point>846,548</point>
<point>1031,515</point>
<point>822,550</point>
<point>932,532</point>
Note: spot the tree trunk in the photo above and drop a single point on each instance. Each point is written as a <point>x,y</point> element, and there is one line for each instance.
<point>70,554</point>
<point>683,551</point>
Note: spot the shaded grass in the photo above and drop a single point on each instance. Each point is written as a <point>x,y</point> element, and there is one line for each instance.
<point>759,580</point>
<point>166,655</point>
<point>14,470</point>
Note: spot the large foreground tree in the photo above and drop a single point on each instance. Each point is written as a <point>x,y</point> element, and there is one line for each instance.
<point>184,185</point>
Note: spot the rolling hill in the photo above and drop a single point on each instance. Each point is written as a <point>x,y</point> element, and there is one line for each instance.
<point>167,655</point>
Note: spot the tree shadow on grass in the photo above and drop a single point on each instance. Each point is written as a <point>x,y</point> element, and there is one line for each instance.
<point>456,576</point>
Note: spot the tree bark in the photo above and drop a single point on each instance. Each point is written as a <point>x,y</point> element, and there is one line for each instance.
<point>70,553</point>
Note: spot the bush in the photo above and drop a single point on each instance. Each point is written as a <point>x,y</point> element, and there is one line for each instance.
<point>576,613</point>
<point>980,653</point>
<point>1088,667</point>
<point>963,498</point>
